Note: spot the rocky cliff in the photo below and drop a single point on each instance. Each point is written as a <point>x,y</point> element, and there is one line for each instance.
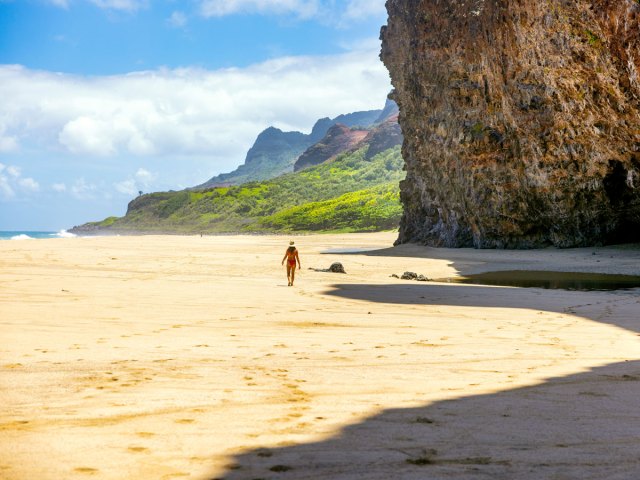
<point>390,111</point>
<point>384,134</point>
<point>338,139</point>
<point>521,120</point>
<point>382,137</point>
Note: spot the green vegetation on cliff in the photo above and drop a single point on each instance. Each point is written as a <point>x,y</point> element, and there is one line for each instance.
<point>375,208</point>
<point>349,193</point>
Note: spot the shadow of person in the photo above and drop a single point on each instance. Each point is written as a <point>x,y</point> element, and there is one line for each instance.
<point>580,426</point>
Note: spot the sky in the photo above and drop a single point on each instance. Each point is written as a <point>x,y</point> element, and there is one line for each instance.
<point>103,99</point>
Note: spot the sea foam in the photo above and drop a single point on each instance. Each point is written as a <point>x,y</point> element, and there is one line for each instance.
<point>64,234</point>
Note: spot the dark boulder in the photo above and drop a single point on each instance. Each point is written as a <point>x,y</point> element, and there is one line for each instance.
<point>336,268</point>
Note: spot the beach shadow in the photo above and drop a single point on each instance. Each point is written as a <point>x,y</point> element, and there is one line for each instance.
<point>579,427</point>
<point>469,261</point>
<point>579,303</point>
<point>583,426</point>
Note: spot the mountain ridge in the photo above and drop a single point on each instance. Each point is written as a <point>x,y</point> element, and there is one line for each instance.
<point>351,184</point>
<point>275,152</point>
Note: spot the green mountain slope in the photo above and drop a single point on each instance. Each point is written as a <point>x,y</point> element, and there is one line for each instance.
<point>374,208</point>
<point>275,152</point>
<point>349,193</point>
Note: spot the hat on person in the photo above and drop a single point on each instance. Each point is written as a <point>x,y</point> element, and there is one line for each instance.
<point>292,242</point>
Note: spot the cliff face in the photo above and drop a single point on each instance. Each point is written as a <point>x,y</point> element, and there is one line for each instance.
<point>390,111</point>
<point>338,139</point>
<point>521,120</point>
<point>384,136</point>
<point>342,139</point>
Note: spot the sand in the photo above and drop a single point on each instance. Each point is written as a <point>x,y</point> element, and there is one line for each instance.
<point>163,357</point>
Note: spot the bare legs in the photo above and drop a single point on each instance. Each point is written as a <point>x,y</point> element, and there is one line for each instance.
<point>291,274</point>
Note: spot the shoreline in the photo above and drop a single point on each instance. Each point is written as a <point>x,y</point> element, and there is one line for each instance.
<point>91,233</point>
<point>186,357</point>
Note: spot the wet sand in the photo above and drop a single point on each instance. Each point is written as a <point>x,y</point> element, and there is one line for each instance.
<point>164,357</point>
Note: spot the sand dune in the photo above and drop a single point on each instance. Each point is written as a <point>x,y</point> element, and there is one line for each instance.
<point>164,357</point>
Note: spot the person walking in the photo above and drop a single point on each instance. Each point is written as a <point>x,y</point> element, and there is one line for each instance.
<point>291,256</point>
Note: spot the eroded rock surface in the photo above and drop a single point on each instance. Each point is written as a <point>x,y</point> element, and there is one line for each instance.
<point>521,120</point>
<point>338,139</point>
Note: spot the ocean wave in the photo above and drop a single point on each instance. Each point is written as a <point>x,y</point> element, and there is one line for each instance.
<point>63,234</point>
<point>22,236</point>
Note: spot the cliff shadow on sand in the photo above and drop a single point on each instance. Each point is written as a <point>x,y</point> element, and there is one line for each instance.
<point>580,426</point>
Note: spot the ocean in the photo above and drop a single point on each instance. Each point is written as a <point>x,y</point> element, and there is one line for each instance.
<point>27,235</point>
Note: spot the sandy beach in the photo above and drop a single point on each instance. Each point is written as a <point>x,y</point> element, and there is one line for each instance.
<point>169,357</point>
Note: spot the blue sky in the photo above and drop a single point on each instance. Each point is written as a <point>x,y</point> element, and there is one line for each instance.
<point>103,98</point>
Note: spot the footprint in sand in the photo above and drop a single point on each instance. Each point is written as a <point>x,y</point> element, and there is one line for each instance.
<point>86,470</point>
<point>138,449</point>
<point>12,366</point>
<point>185,421</point>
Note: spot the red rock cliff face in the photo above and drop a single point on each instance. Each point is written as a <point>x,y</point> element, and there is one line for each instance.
<point>521,120</point>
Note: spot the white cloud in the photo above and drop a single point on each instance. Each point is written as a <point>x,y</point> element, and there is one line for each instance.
<point>330,11</point>
<point>29,184</point>
<point>139,182</point>
<point>362,9</point>
<point>13,171</point>
<point>5,188</point>
<point>220,8</point>
<point>8,144</point>
<point>123,5</point>
<point>87,135</point>
<point>337,12</point>
<point>12,182</point>
<point>184,113</point>
<point>59,187</point>
<point>177,20</point>
<point>129,5</point>
<point>145,177</point>
<point>83,190</point>
<point>127,187</point>
<point>60,3</point>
